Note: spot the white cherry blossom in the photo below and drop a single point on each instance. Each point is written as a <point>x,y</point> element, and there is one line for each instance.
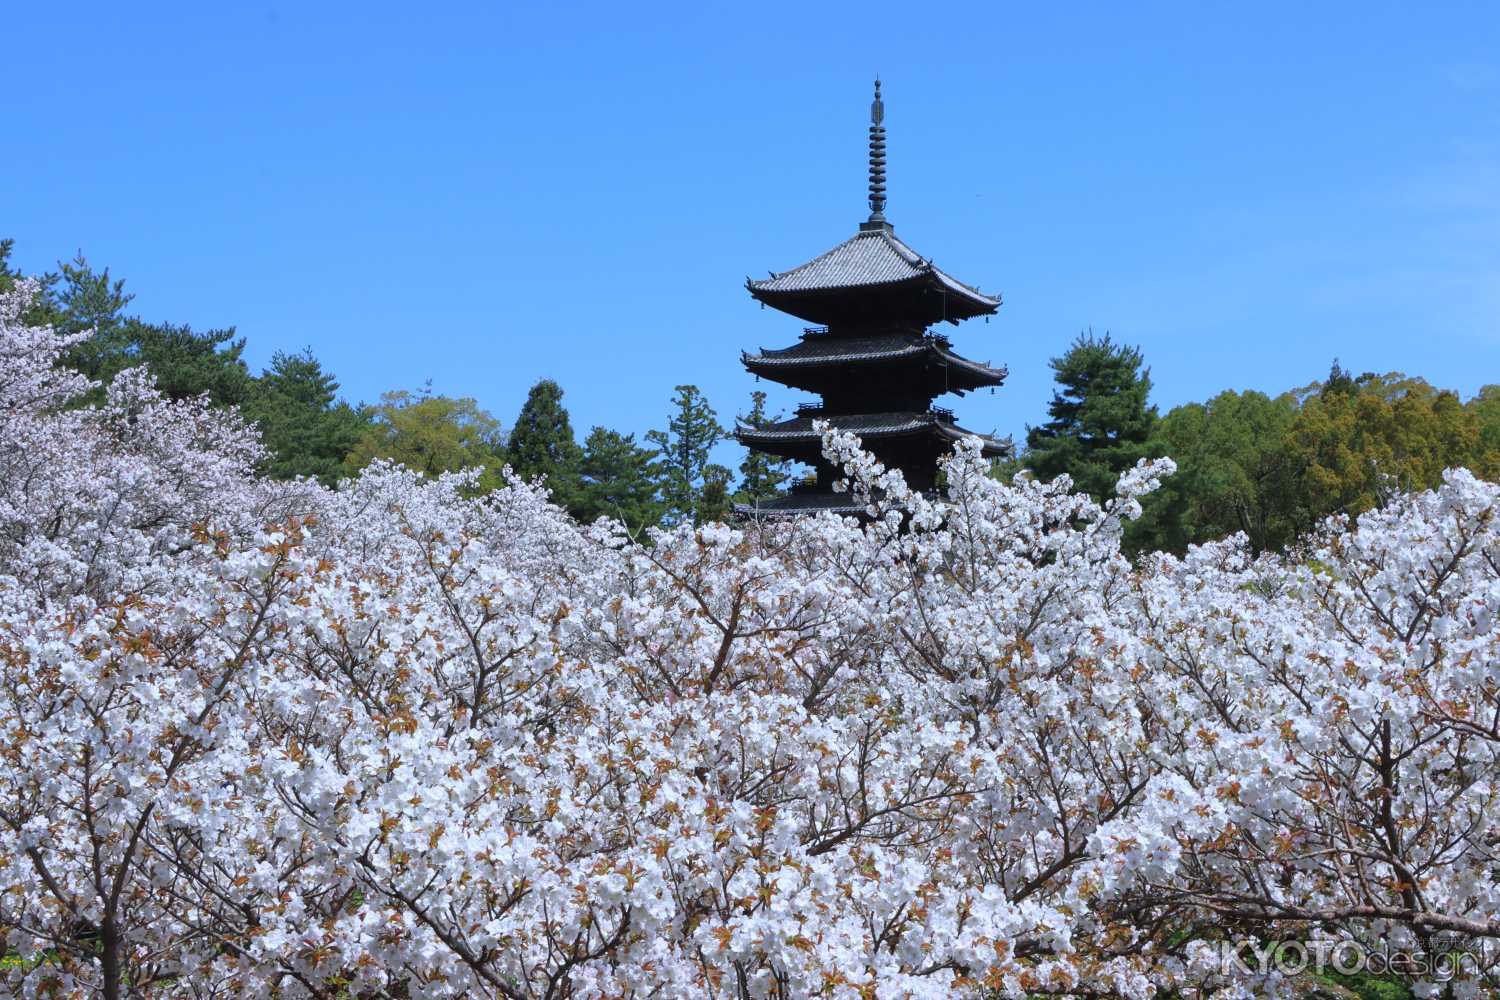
<point>272,740</point>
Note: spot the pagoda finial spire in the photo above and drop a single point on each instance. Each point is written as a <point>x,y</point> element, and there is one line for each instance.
<point>877,158</point>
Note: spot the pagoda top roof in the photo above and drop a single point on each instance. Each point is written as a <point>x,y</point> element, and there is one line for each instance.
<point>872,276</point>
<point>873,260</point>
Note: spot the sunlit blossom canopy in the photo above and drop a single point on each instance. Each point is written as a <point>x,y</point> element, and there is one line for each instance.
<point>270,739</point>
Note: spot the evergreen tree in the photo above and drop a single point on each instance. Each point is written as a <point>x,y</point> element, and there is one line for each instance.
<point>692,431</point>
<point>304,425</point>
<point>1340,382</point>
<point>715,502</point>
<point>8,275</point>
<point>761,475</point>
<point>184,362</point>
<point>43,309</point>
<point>432,435</point>
<point>1101,420</point>
<point>542,443</point>
<point>90,300</point>
<point>83,299</point>
<point>619,479</point>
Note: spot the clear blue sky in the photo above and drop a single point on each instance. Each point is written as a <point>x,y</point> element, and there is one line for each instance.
<point>491,193</point>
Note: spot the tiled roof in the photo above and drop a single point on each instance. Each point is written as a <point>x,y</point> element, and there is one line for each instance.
<point>800,430</point>
<point>801,503</point>
<point>818,350</point>
<point>864,424</point>
<point>870,257</point>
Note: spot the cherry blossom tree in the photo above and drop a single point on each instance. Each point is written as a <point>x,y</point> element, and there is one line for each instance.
<point>267,739</point>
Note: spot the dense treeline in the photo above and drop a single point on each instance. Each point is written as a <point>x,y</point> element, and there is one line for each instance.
<point>1271,467</point>
<point>309,430</point>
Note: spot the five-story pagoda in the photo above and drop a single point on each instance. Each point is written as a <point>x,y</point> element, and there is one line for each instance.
<point>870,356</point>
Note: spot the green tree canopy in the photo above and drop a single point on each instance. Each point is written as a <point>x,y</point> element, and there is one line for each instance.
<point>304,424</point>
<point>692,431</point>
<point>715,502</point>
<point>1486,409</point>
<point>431,434</point>
<point>542,443</point>
<point>1235,472</point>
<point>761,475</point>
<point>1101,421</point>
<point>43,310</point>
<point>1274,468</point>
<point>1361,441</point>
<point>184,362</point>
<point>619,479</point>
<point>8,275</point>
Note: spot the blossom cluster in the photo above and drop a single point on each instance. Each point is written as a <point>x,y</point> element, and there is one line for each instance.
<point>264,739</point>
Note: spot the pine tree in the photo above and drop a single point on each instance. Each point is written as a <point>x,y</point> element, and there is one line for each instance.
<point>1340,382</point>
<point>89,300</point>
<point>185,362</point>
<point>84,299</point>
<point>1101,421</point>
<point>691,433</point>
<point>761,475</point>
<point>715,502</point>
<point>619,479</point>
<point>43,308</point>
<point>542,443</point>
<point>303,424</point>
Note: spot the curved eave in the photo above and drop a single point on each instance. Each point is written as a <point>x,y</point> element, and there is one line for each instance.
<point>770,360</point>
<point>806,434</point>
<point>982,374</point>
<point>950,300</point>
<point>982,302</point>
<point>974,374</point>
<point>800,439</point>
<point>989,447</point>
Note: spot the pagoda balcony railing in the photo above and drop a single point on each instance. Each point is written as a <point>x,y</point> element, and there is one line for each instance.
<point>817,410</point>
<point>877,330</point>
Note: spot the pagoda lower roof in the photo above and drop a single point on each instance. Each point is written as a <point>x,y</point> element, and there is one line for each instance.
<point>806,502</point>
<point>871,261</point>
<point>801,430</point>
<point>827,349</point>
<point>812,500</point>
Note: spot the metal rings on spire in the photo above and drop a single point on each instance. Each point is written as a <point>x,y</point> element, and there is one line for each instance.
<point>877,157</point>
